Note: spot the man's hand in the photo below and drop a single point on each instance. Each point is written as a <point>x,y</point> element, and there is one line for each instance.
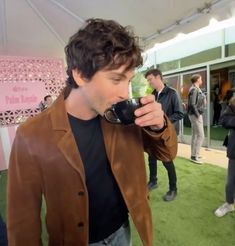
<point>150,114</point>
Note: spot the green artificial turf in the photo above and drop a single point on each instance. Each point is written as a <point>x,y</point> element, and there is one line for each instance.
<point>3,180</point>
<point>216,133</point>
<point>188,220</point>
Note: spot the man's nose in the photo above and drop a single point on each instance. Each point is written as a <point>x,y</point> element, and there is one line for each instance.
<point>125,91</point>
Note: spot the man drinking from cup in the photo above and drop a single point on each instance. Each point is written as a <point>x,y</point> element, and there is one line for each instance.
<point>91,172</point>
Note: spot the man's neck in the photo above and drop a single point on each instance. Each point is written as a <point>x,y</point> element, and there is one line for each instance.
<point>160,88</point>
<point>77,106</point>
<point>196,85</point>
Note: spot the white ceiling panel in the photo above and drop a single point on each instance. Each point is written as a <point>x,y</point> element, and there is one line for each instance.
<point>43,27</point>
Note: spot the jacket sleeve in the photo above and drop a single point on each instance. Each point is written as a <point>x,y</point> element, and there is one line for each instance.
<point>24,196</point>
<point>162,145</point>
<point>193,102</point>
<point>177,108</point>
<point>228,118</point>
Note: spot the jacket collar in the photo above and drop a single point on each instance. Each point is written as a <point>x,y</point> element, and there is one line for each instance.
<point>164,90</point>
<point>59,116</point>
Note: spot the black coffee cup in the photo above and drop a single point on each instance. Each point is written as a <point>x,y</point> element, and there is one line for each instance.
<point>123,112</point>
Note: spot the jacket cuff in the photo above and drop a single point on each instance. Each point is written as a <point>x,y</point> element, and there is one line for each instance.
<point>152,129</point>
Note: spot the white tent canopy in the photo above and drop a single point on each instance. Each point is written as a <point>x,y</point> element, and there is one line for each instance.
<point>42,27</point>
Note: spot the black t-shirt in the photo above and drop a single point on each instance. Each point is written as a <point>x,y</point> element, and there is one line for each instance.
<point>107,209</point>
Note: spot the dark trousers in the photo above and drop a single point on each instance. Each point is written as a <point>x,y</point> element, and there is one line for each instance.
<point>3,233</point>
<point>216,116</point>
<point>230,186</point>
<point>170,167</point>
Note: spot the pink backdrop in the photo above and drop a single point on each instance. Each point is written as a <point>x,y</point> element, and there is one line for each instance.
<point>24,81</point>
<point>21,95</point>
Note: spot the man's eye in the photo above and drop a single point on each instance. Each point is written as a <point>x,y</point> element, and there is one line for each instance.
<point>116,80</point>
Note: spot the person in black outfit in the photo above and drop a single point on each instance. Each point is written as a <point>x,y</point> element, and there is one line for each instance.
<point>228,122</point>
<point>47,101</point>
<point>172,106</point>
<point>216,106</point>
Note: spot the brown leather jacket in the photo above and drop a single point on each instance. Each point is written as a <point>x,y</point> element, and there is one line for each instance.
<point>45,161</point>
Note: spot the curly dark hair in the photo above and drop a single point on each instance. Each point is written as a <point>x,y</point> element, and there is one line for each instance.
<point>101,44</point>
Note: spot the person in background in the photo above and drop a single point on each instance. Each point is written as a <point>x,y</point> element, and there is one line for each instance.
<point>216,106</point>
<point>3,232</point>
<point>47,101</point>
<point>90,172</point>
<point>228,122</point>
<point>196,107</point>
<point>172,106</point>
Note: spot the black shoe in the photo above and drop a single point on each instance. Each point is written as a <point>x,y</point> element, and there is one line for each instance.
<point>170,195</point>
<point>152,185</point>
<point>196,160</point>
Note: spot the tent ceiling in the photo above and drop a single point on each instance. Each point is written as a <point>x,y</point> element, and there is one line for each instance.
<point>42,27</point>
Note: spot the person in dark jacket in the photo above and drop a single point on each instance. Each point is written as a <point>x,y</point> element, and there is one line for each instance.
<point>172,107</point>
<point>216,106</point>
<point>47,101</point>
<point>228,121</point>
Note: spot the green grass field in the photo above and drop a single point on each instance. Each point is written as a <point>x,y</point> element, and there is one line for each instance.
<point>189,219</point>
<point>217,133</point>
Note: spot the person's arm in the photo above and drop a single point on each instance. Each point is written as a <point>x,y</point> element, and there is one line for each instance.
<point>158,133</point>
<point>177,108</point>
<point>227,119</point>
<point>24,195</point>
<point>193,102</point>
<point>161,144</point>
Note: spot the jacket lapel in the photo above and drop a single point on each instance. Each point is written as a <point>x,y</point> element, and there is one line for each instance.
<point>68,147</point>
<point>66,144</point>
<point>113,140</point>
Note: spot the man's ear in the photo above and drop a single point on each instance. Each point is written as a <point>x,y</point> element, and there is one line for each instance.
<point>78,78</point>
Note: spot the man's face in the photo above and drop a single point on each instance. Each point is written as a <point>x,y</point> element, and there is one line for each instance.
<point>49,101</point>
<point>199,81</point>
<point>106,88</point>
<point>154,81</point>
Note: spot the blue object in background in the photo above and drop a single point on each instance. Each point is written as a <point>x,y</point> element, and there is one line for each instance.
<point>3,233</point>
